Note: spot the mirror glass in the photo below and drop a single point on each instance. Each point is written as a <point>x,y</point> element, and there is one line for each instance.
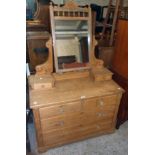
<point>31,8</point>
<point>71,44</point>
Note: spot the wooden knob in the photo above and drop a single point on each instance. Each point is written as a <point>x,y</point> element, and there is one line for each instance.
<point>98,127</point>
<point>61,110</point>
<point>81,127</point>
<point>99,114</point>
<point>100,102</point>
<point>82,103</point>
<point>60,123</point>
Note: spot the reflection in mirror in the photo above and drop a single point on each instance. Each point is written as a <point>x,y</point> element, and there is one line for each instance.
<point>32,6</point>
<point>71,43</point>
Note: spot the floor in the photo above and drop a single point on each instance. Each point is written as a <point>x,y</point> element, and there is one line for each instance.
<point>112,144</point>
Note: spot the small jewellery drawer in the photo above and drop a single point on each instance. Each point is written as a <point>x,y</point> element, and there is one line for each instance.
<point>51,111</point>
<point>100,102</point>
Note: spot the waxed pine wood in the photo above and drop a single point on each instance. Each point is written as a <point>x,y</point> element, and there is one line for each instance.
<point>74,110</point>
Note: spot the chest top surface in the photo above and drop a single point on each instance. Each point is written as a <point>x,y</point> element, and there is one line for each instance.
<point>72,90</point>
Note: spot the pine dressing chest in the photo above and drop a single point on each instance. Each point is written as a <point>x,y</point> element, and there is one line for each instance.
<point>72,94</point>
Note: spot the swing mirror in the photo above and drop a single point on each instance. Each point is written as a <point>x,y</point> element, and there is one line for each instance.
<point>71,38</point>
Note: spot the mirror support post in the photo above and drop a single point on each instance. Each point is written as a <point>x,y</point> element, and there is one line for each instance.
<point>47,67</point>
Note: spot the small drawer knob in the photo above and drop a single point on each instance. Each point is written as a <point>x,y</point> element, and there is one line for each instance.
<point>99,114</point>
<point>82,102</point>
<point>98,127</point>
<point>61,110</point>
<point>101,103</point>
<point>42,86</point>
<point>60,123</point>
<point>65,132</point>
<point>81,127</point>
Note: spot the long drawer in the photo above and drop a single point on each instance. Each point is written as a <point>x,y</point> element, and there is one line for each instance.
<point>81,105</point>
<point>73,133</point>
<point>78,118</point>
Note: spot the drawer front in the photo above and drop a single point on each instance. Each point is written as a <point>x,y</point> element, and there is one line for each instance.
<point>99,103</point>
<point>82,113</point>
<point>62,121</point>
<point>98,115</point>
<point>81,105</point>
<point>74,133</point>
<point>51,111</point>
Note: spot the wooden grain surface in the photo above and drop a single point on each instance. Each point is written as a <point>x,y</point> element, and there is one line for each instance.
<point>58,110</point>
<point>72,120</point>
<point>38,127</point>
<point>64,121</point>
<point>75,133</point>
<point>72,90</point>
<point>86,136</point>
<point>71,75</point>
<point>120,58</point>
<point>101,74</point>
<point>41,81</point>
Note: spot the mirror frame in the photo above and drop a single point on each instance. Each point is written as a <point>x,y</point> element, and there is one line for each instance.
<point>58,13</point>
